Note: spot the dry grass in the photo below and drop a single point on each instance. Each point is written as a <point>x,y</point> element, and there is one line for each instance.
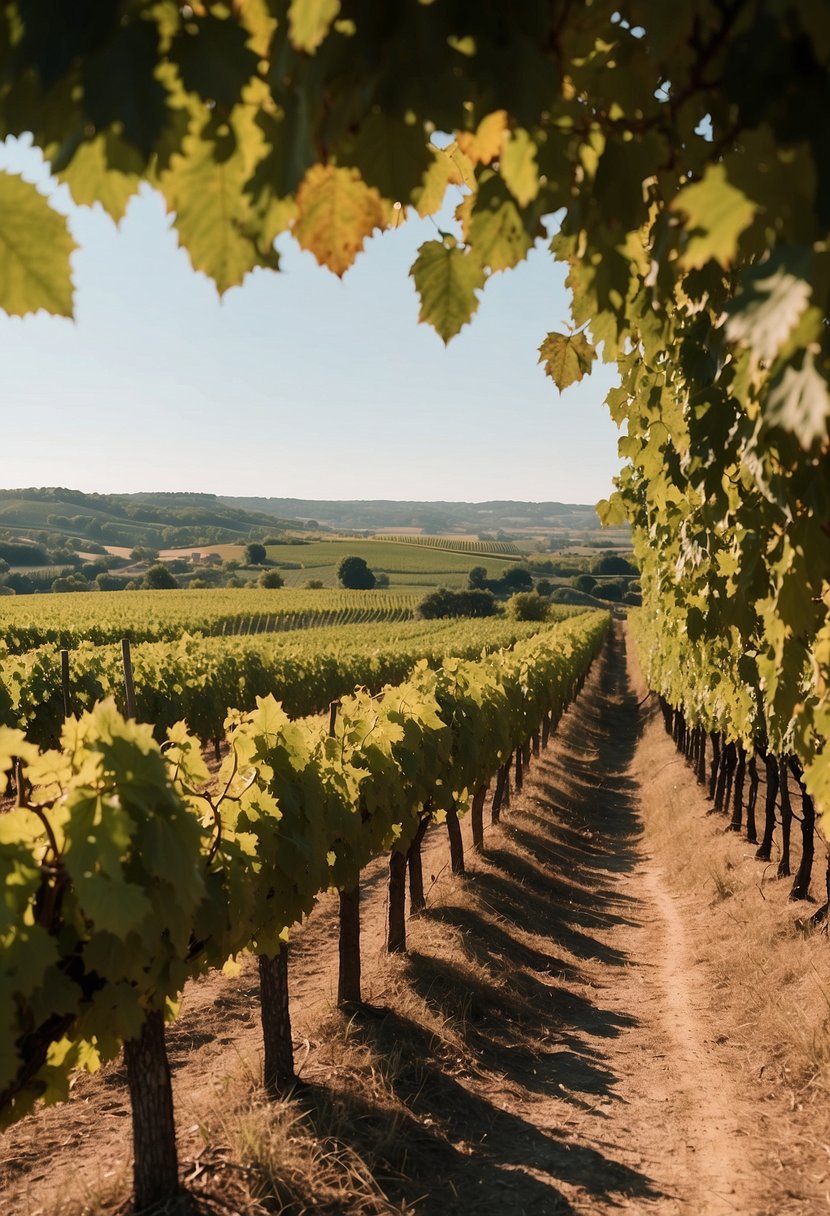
<point>771,980</point>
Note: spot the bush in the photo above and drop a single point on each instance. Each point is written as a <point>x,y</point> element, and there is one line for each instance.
<point>271,579</point>
<point>612,591</point>
<point>612,563</point>
<point>354,573</point>
<point>517,578</point>
<point>255,554</point>
<point>74,582</point>
<point>382,580</point>
<point>477,577</point>
<point>544,586</point>
<point>443,603</point>
<point>107,582</point>
<point>313,584</point>
<point>159,578</point>
<point>585,582</point>
<point>528,606</point>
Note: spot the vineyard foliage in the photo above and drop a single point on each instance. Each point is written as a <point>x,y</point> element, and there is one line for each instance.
<point>685,153</point>
<point>147,616</point>
<point>127,869</point>
<point>197,678</point>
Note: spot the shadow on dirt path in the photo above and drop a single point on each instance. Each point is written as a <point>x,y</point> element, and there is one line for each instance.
<point>512,966</point>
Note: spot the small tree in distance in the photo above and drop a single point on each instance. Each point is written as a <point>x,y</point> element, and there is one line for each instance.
<point>255,553</point>
<point>271,579</point>
<point>159,578</point>
<point>354,574</point>
<point>477,577</point>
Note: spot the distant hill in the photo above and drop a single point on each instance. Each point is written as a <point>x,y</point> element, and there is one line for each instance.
<point>433,517</point>
<point>54,514</point>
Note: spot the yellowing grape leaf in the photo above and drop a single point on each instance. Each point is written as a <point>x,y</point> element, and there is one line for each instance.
<point>309,21</point>
<point>430,196</point>
<point>336,212</point>
<point>519,168</point>
<point>716,215</point>
<point>567,358</point>
<point>485,143</point>
<point>447,279</point>
<point>35,246</point>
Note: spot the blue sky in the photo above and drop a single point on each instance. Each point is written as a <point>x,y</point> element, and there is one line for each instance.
<point>294,385</point>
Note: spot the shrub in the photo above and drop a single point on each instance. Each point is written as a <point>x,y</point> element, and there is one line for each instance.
<point>354,573</point>
<point>255,554</point>
<point>271,579</point>
<point>528,606</point>
<point>443,603</point>
<point>159,578</point>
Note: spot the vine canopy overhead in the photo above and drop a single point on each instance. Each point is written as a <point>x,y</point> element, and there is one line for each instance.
<point>675,157</point>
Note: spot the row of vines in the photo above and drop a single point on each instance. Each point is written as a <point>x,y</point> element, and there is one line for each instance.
<point>197,678</point>
<point>127,869</point>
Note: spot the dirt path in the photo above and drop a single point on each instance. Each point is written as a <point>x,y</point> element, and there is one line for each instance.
<point>553,1042</point>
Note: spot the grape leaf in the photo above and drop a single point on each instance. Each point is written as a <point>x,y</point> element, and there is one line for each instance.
<point>35,247</point>
<point>567,358</point>
<point>210,216</point>
<point>485,143</point>
<point>772,298</point>
<point>92,176</point>
<point>309,21</point>
<point>497,234</point>
<point>800,403</point>
<point>716,215</point>
<point>336,212</point>
<point>447,279</point>
<point>519,168</point>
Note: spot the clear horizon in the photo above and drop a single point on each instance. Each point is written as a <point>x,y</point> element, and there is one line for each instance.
<point>296,385</point>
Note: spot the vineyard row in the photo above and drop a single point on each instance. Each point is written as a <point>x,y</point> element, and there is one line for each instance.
<point>127,869</point>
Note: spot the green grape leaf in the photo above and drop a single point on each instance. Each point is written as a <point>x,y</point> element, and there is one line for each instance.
<point>800,403</point>
<point>497,234</point>
<point>309,21</point>
<point>519,168</point>
<point>567,358</point>
<point>772,298</point>
<point>35,247</point>
<point>205,195</point>
<point>214,58</point>
<point>447,279</point>
<point>121,85</point>
<point>336,212</point>
<point>118,907</point>
<point>103,170</point>
<point>390,154</point>
<point>716,215</point>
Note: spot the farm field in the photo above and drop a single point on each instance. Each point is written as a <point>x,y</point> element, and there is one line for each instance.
<point>432,559</point>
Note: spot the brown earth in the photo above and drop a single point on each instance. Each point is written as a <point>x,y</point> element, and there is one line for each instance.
<point>573,1029</point>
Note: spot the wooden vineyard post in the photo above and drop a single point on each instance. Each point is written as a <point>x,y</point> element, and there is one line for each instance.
<point>477,817</point>
<point>129,687</point>
<point>67,699</point>
<point>278,1068</point>
<point>417,900</point>
<point>155,1163</point>
<point>396,936</point>
<point>155,1159</point>
<point>502,779</point>
<point>456,841</point>
<point>348,976</point>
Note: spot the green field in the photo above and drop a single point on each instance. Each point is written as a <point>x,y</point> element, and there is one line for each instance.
<point>413,565</point>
